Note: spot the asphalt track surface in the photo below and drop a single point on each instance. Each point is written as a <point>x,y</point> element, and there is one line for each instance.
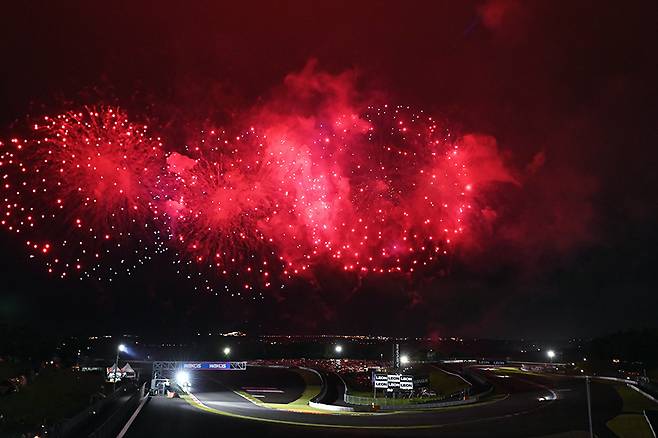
<point>526,406</point>
<point>269,385</point>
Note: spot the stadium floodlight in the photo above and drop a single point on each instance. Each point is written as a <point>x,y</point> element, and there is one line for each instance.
<point>227,351</point>
<point>550,354</point>
<point>338,349</point>
<point>183,378</point>
<point>404,359</point>
<point>120,349</point>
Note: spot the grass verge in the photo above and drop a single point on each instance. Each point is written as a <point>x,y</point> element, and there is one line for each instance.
<point>313,386</point>
<point>53,396</point>
<point>631,422</point>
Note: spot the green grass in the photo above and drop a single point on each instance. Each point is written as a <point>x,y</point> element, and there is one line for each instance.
<point>630,425</point>
<point>54,395</point>
<point>440,382</point>
<point>631,422</point>
<point>633,400</point>
<point>313,386</point>
<point>445,384</point>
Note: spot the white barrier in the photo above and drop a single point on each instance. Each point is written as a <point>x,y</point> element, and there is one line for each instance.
<point>334,408</point>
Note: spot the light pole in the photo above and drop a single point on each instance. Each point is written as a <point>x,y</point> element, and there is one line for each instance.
<point>589,407</point>
<point>227,351</point>
<point>551,355</point>
<point>121,348</point>
<point>338,349</point>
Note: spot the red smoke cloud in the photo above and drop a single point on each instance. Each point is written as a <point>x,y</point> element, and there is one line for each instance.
<point>321,175</point>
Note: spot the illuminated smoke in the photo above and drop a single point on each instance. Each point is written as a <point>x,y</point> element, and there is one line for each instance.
<point>315,177</point>
<point>79,192</point>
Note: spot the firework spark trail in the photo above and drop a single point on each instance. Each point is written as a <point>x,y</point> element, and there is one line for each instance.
<point>405,193</point>
<point>80,191</point>
<point>214,202</point>
<point>383,193</point>
<point>387,190</point>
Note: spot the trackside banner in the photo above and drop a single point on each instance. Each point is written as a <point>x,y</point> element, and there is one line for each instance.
<point>207,366</point>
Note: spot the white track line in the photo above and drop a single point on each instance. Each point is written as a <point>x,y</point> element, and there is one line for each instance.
<point>132,418</point>
<point>649,423</point>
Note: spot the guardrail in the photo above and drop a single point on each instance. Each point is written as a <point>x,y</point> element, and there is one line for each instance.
<point>111,427</point>
<point>384,401</point>
<point>388,403</point>
<point>75,425</point>
<point>334,408</point>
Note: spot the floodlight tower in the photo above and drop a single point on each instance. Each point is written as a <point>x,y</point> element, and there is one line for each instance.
<point>396,356</point>
<point>121,348</point>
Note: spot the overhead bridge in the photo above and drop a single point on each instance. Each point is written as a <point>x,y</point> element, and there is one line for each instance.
<point>163,370</point>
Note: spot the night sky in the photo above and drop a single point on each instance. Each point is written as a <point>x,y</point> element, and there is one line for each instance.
<point>566,93</point>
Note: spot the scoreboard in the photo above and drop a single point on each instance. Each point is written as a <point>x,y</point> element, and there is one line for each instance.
<point>401,382</point>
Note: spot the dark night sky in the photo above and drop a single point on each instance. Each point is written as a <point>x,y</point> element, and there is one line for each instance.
<point>567,89</point>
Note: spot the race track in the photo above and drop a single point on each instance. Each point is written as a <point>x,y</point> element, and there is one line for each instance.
<point>524,405</point>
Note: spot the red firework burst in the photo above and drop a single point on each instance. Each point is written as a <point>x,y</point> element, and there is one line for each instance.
<point>385,192</point>
<point>80,191</point>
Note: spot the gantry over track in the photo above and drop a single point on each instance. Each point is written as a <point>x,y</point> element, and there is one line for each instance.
<point>162,368</point>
